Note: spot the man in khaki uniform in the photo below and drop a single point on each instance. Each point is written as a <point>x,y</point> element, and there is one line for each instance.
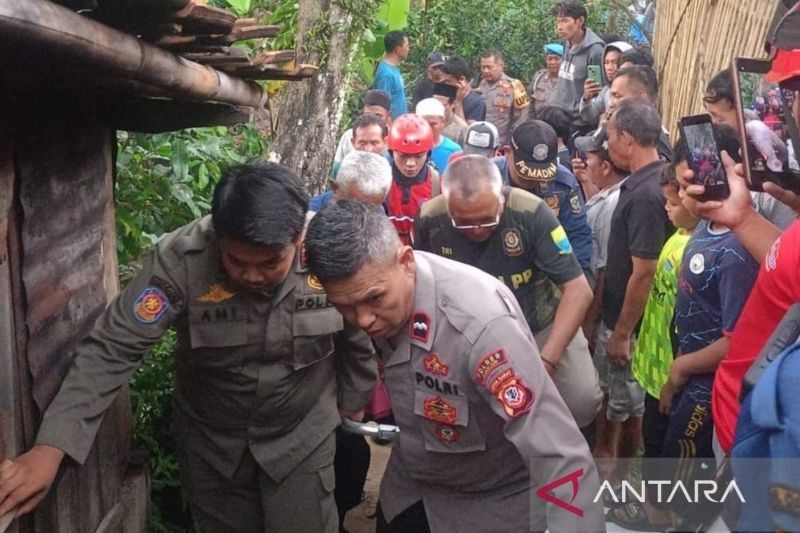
<point>485,438</point>
<point>264,365</point>
<point>507,101</point>
<point>513,235</point>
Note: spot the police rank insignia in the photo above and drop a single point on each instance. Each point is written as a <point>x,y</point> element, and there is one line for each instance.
<point>512,243</point>
<point>438,409</point>
<point>489,363</point>
<point>435,366</point>
<point>420,324</point>
<point>150,305</point>
<point>216,294</point>
<point>515,397</point>
<point>314,282</point>
<point>447,434</point>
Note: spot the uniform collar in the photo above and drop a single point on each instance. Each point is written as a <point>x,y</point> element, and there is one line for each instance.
<point>422,325</point>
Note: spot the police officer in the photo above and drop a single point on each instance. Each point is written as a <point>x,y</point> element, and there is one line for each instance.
<point>512,235</point>
<point>506,99</point>
<point>480,421</point>
<point>531,163</point>
<point>263,369</point>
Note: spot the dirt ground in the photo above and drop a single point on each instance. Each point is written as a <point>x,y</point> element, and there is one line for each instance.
<point>362,518</point>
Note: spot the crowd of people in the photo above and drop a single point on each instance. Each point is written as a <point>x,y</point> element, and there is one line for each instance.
<point>545,293</point>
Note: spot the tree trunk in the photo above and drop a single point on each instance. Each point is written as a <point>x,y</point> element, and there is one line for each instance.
<point>310,111</point>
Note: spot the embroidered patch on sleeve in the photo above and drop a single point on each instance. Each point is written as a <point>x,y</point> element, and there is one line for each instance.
<point>439,410</point>
<point>575,203</point>
<point>515,397</point>
<point>488,364</point>
<point>561,241</point>
<point>150,305</point>
<point>435,366</point>
<point>501,379</point>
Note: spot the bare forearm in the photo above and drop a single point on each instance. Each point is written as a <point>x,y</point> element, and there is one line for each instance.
<point>757,234</point>
<point>593,314</point>
<point>705,360</point>
<point>636,293</point>
<point>575,301</point>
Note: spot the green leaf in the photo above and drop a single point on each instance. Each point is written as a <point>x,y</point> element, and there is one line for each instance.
<point>240,6</point>
<point>394,13</point>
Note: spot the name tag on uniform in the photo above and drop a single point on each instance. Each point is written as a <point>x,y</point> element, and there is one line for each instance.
<point>567,71</point>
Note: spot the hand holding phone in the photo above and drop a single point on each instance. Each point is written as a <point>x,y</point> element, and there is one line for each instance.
<point>767,124</point>
<point>594,74</point>
<point>704,157</point>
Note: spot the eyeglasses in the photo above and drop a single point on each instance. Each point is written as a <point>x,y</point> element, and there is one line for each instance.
<point>484,225</point>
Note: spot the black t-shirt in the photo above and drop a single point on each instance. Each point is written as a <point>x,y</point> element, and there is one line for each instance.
<point>474,107</point>
<point>639,228</point>
<point>528,251</point>
<point>423,90</point>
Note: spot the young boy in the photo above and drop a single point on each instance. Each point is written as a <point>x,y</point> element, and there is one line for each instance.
<point>655,351</point>
<point>717,275</point>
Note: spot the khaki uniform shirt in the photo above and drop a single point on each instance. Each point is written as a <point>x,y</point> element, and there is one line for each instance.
<point>506,105</point>
<point>263,371</point>
<point>481,423</point>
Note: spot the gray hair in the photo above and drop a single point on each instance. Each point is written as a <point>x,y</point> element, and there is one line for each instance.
<point>369,173</point>
<point>640,120</point>
<point>465,175</point>
<point>346,236</point>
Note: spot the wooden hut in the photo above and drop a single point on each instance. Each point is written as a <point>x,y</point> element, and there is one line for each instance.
<point>694,39</point>
<point>73,72</point>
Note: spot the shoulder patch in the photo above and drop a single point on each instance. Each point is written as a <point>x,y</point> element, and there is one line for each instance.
<point>520,94</point>
<point>150,305</point>
<point>575,203</point>
<point>515,397</point>
<point>561,241</point>
<point>488,364</point>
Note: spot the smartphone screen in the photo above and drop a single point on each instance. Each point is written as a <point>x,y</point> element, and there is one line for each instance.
<point>765,112</point>
<point>593,72</point>
<point>704,157</point>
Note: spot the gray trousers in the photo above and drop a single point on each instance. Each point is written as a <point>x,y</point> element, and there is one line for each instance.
<point>252,502</point>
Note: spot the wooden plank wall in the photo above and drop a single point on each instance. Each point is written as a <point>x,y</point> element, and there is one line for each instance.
<point>63,227</point>
<point>695,39</point>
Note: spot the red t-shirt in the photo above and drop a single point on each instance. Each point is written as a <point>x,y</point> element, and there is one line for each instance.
<point>776,290</point>
<point>404,201</point>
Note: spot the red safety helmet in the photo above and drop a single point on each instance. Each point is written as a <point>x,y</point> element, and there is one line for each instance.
<point>410,134</point>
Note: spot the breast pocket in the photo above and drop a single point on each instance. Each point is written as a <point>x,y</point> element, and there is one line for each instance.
<point>217,326</point>
<point>313,333</point>
<point>447,424</point>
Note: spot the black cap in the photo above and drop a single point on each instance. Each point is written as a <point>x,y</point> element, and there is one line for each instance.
<point>596,141</point>
<point>436,59</point>
<point>378,98</point>
<point>535,151</point>
<point>444,89</point>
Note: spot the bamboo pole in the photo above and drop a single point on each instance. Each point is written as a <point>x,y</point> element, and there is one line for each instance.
<point>67,36</point>
<point>694,39</point>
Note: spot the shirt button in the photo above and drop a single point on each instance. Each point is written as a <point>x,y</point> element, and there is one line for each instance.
<point>444,301</point>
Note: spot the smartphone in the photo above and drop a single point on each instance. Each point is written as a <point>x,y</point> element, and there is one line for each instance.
<point>594,74</point>
<point>704,157</point>
<point>767,123</point>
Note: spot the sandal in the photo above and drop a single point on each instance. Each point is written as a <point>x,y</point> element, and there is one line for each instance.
<point>634,518</point>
